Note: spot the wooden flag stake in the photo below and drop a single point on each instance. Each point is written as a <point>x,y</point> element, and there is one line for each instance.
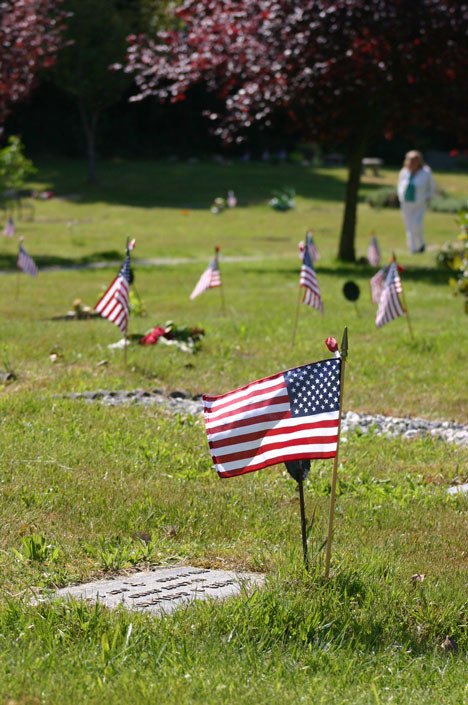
<point>344,355</point>
<point>403,298</point>
<point>303,520</point>
<point>298,308</point>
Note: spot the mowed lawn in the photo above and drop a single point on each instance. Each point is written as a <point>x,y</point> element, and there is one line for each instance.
<point>86,490</point>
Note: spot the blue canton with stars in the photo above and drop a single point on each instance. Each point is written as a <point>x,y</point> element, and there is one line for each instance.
<point>125,269</point>
<point>314,389</point>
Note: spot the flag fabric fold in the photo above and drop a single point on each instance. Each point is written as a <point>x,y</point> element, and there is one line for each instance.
<point>312,247</point>
<point>113,305</point>
<point>210,278</point>
<point>308,280</point>
<point>390,306</point>
<point>377,284</point>
<point>26,263</point>
<point>289,416</point>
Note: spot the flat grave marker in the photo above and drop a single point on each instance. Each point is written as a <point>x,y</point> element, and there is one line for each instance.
<point>163,590</point>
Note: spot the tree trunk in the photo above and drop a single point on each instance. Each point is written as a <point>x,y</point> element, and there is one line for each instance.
<point>89,122</point>
<point>346,251</point>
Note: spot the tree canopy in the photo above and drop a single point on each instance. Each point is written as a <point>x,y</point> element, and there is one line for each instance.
<point>30,35</point>
<point>341,72</point>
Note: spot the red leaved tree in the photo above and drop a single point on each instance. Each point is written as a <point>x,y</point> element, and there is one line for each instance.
<point>30,35</point>
<point>342,73</point>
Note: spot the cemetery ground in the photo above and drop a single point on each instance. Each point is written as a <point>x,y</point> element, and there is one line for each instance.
<point>87,490</point>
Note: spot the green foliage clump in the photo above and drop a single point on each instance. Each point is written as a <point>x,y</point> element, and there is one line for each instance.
<point>283,199</point>
<point>15,167</point>
<point>454,256</point>
<point>445,204</point>
<point>385,197</point>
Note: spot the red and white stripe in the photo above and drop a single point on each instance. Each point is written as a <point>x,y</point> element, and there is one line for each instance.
<point>308,280</point>
<point>114,304</point>
<point>210,278</point>
<point>252,427</point>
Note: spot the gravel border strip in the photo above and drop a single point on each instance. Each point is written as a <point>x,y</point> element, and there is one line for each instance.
<point>180,402</point>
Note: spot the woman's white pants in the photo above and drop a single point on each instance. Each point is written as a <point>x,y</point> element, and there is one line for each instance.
<point>413,215</point>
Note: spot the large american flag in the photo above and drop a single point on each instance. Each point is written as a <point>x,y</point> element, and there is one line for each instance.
<point>308,280</point>
<point>26,263</point>
<point>390,306</point>
<point>289,416</point>
<point>114,304</point>
<point>310,244</point>
<point>210,278</point>
<point>373,252</point>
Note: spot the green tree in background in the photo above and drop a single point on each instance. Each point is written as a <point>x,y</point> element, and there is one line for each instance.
<point>15,167</point>
<point>96,39</point>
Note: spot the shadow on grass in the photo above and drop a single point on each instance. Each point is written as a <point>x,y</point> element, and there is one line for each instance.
<point>8,261</point>
<point>431,275</point>
<point>189,186</point>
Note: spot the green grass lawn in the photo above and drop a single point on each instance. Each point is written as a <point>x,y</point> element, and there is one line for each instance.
<point>90,481</point>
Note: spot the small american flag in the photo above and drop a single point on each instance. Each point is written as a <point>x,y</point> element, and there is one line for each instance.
<point>290,416</point>
<point>210,278</point>
<point>308,280</point>
<point>390,306</point>
<point>310,244</point>
<point>10,228</point>
<point>114,304</point>
<point>26,263</point>
<point>373,252</point>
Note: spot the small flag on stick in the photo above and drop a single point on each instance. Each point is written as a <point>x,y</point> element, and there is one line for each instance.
<point>291,417</point>
<point>113,305</point>
<point>308,281</point>
<point>25,262</point>
<point>373,252</point>
<point>390,306</point>
<point>10,228</point>
<point>210,278</point>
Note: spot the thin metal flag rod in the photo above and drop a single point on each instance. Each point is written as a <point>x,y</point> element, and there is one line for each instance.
<point>298,308</point>
<point>344,355</point>
<point>128,316</point>
<point>405,305</point>
<point>303,520</point>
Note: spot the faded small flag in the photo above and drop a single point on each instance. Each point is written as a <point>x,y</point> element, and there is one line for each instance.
<point>10,228</point>
<point>373,252</point>
<point>210,278</point>
<point>26,263</point>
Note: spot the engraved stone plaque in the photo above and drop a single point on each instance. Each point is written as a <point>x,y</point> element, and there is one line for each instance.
<point>163,589</point>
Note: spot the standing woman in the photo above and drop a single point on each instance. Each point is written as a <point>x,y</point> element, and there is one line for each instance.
<point>415,189</point>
